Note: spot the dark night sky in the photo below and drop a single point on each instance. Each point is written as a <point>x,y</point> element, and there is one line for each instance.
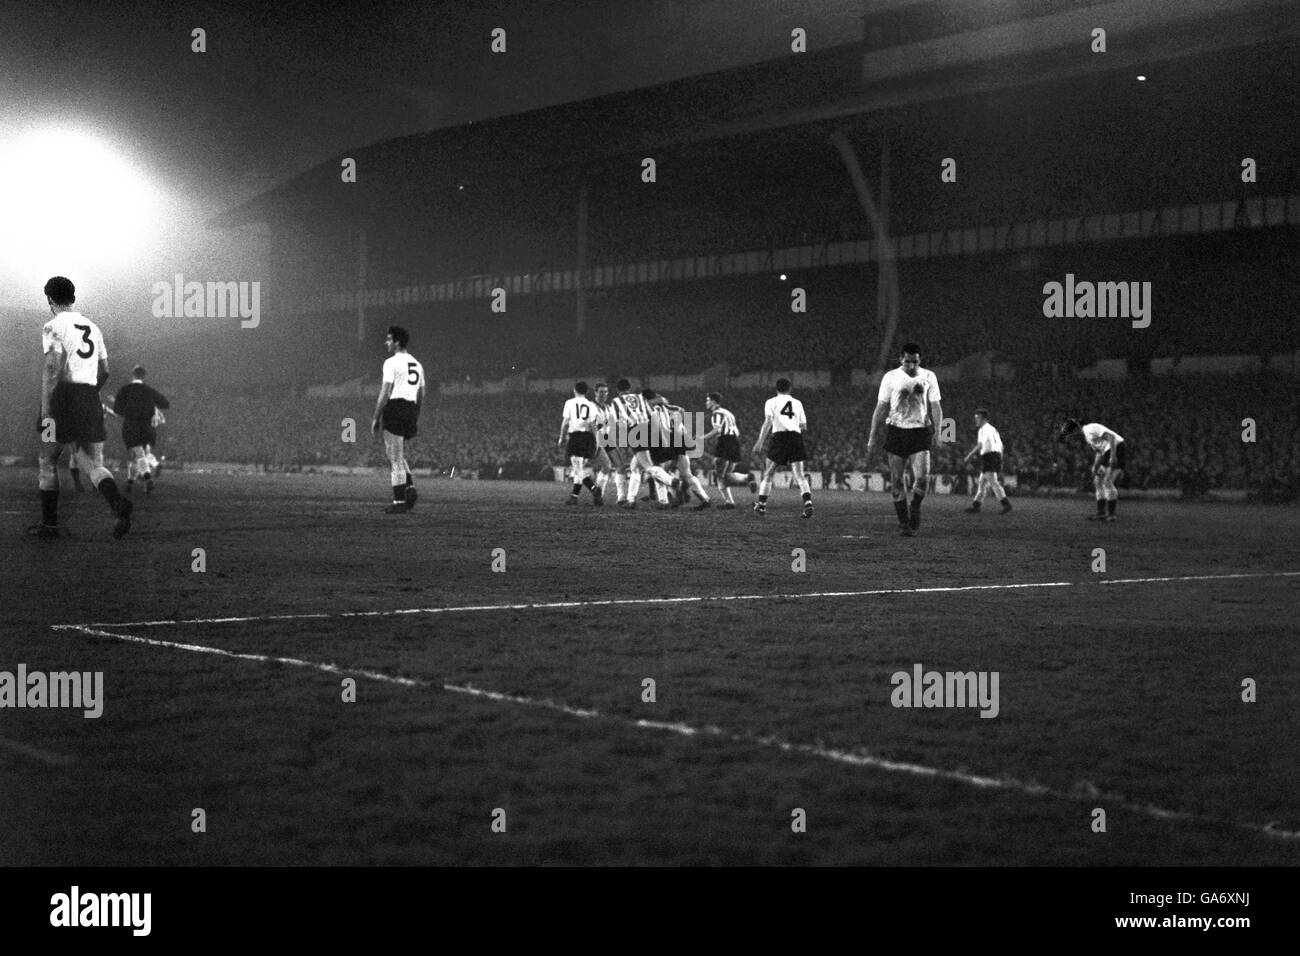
<point>285,85</point>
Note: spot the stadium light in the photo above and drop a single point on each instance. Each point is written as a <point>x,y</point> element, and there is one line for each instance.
<point>1141,78</point>
<point>70,203</point>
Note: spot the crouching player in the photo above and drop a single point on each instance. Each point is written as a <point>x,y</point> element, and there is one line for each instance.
<point>1107,463</point>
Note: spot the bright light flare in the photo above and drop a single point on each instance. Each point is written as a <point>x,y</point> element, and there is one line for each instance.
<point>70,203</point>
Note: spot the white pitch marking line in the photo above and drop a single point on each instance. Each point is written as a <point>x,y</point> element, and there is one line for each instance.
<point>855,758</point>
<point>612,602</point>
<point>45,756</point>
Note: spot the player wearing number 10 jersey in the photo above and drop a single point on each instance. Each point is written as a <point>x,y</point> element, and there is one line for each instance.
<point>398,411</point>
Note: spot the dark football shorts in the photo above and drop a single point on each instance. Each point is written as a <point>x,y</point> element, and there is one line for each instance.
<point>991,461</point>
<point>582,445</point>
<point>906,441</point>
<point>728,448</point>
<point>786,448</point>
<point>1119,458</point>
<point>400,416</point>
<point>78,415</point>
<point>660,455</point>
<point>138,432</point>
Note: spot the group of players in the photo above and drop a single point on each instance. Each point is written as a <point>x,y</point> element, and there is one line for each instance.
<point>634,436</point>
<point>640,436</point>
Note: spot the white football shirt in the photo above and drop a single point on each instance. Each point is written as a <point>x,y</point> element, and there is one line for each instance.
<point>785,413</point>
<point>80,342</point>
<point>582,414</point>
<point>988,440</point>
<point>909,396</point>
<point>405,374</point>
<point>1099,436</point>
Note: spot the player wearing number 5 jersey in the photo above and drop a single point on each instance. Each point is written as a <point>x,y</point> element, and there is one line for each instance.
<point>398,410</point>
<point>784,420</point>
<point>76,368</point>
<point>909,403</point>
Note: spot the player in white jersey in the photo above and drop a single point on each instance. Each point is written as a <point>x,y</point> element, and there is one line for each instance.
<point>579,423</point>
<point>785,421</point>
<point>726,453</point>
<point>397,411</point>
<point>908,402</point>
<point>632,427</point>
<point>1107,464</point>
<point>988,445</point>
<point>76,368</point>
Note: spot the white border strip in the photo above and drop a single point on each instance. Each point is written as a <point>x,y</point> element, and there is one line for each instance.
<point>856,758</point>
<point>616,602</point>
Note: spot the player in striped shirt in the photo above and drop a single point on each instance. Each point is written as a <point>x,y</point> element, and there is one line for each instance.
<point>1107,463</point>
<point>603,462</point>
<point>632,426</point>
<point>668,447</point>
<point>988,445</point>
<point>726,453</point>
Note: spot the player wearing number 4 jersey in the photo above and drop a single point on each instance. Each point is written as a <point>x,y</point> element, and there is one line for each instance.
<point>76,368</point>
<point>579,423</point>
<point>398,411</point>
<point>784,420</point>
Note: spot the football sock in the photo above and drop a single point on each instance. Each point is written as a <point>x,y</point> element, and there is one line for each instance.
<point>620,485</point>
<point>589,484</point>
<point>1101,506</point>
<point>399,494</point>
<point>1110,506</point>
<point>576,488</point>
<point>409,480</point>
<point>762,499</point>
<point>50,507</point>
<point>915,516</point>
<point>900,509</point>
<point>108,488</point>
<point>807,497</point>
<point>633,485</point>
<point>698,488</point>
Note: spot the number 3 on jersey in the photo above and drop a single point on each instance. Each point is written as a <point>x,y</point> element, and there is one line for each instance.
<point>85,337</point>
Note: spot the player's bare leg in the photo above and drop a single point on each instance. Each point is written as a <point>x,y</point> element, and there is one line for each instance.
<point>691,480</point>
<point>805,488</point>
<point>728,475</point>
<point>1099,488</point>
<point>898,491</point>
<point>981,488</point>
<point>992,482</point>
<point>1110,490</point>
<point>399,474</point>
<point>920,466</point>
<point>765,486</point>
<point>90,457</point>
<point>581,479</point>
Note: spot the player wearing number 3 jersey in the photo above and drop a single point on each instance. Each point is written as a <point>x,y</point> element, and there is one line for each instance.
<point>76,368</point>
<point>784,420</point>
<point>398,410</point>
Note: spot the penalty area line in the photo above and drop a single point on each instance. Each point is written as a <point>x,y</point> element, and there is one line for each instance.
<point>1082,792</point>
<point>697,599</point>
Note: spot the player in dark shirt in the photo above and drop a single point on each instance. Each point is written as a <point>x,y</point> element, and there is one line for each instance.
<point>136,405</point>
